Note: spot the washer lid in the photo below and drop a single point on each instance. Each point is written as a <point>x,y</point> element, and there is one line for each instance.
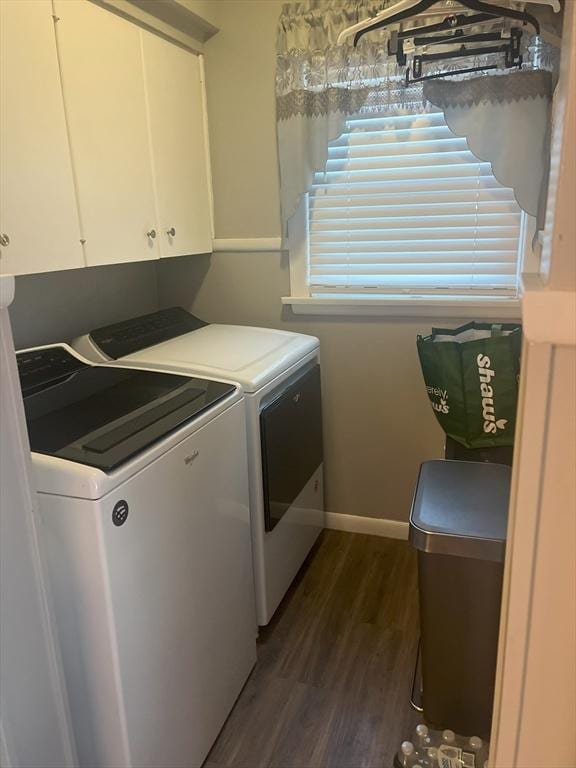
<point>250,356</point>
<point>103,415</point>
<point>461,508</point>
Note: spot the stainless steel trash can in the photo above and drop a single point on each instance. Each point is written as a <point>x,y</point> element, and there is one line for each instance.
<point>458,525</point>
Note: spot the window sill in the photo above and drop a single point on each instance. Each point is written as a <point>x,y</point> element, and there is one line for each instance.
<point>508,309</point>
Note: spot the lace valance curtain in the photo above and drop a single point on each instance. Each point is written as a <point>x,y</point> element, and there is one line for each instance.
<point>506,120</point>
<point>320,83</point>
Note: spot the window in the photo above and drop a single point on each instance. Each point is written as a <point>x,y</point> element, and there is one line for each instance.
<point>404,210</point>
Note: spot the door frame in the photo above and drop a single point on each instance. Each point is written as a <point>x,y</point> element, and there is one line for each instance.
<point>534,721</point>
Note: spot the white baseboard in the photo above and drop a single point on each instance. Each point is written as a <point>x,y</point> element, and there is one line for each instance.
<point>376,526</point>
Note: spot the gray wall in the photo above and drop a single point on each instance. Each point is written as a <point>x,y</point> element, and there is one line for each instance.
<point>56,306</point>
<point>378,424</point>
<point>240,62</point>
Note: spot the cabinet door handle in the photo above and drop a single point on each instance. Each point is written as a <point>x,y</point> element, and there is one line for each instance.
<point>171,232</point>
<point>4,240</point>
<point>151,234</point>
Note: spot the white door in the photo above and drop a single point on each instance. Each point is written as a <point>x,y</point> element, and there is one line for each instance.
<point>38,213</point>
<point>103,83</point>
<point>178,147</point>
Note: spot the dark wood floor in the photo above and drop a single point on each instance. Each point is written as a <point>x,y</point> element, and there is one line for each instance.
<point>332,683</point>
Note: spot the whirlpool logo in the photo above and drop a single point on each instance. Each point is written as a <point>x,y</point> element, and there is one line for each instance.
<point>486,374</point>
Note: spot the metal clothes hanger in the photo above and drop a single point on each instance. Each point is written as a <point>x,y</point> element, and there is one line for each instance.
<point>510,49</point>
<point>418,60</point>
<point>554,4</point>
<point>399,45</point>
<point>457,38</point>
<point>450,22</point>
<point>390,11</point>
<point>422,6</point>
<point>406,4</point>
<point>458,23</point>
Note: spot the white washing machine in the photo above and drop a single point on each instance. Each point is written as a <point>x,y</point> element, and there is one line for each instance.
<point>279,373</point>
<point>145,529</point>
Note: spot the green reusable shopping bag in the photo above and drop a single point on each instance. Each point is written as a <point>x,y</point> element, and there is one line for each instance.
<point>471,375</point>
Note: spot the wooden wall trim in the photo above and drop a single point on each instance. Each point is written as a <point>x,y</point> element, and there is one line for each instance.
<point>170,19</point>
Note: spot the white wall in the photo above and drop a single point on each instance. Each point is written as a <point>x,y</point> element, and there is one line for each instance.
<point>378,424</point>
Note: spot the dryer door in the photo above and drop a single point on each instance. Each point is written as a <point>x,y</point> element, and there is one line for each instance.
<point>291,436</point>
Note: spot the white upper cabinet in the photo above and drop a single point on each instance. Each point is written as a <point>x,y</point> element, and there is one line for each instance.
<point>102,141</point>
<point>176,115</point>
<point>105,100</point>
<point>39,225</point>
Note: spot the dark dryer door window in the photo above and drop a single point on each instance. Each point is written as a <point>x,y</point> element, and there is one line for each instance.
<point>291,432</point>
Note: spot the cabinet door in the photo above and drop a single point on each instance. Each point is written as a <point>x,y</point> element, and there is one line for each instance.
<point>176,118</point>
<point>103,83</point>
<point>38,212</point>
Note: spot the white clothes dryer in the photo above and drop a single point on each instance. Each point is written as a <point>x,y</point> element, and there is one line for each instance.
<point>279,373</point>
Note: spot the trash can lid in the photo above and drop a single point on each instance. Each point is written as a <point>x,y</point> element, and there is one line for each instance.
<point>461,508</point>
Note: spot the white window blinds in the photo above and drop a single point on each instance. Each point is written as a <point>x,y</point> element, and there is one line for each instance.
<point>404,207</point>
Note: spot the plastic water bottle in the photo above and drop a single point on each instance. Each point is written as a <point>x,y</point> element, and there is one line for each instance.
<point>448,736</point>
<point>480,750</point>
<point>475,743</point>
<point>422,730</point>
<point>407,755</point>
<point>422,738</point>
<point>431,757</point>
<point>449,756</point>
